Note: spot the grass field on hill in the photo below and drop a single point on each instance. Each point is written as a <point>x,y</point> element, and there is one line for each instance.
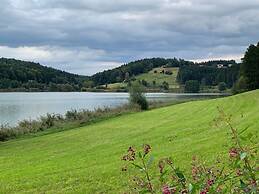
<point>87,159</point>
<point>160,77</point>
<point>151,76</point>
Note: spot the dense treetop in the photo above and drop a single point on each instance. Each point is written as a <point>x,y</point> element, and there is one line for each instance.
<point>250,67</point>
<point>22,74</point>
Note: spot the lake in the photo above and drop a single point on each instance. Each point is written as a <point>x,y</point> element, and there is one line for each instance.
<point>15,107</point>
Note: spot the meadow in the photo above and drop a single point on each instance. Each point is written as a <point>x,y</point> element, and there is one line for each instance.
<point>88,159</point>
<point>154,75</point>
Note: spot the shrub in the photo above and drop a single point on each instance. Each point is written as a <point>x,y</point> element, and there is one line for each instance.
<point>241,85</point>
<point>48,120</point>
<point>137,97</point>
<point>240,175</point>
<point>168,72</point>
<point>144,83</point>
<point>165,85</point>
<point>222,86</point>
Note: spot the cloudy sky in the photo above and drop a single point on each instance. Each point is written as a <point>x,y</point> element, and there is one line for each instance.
<point>86,36</point>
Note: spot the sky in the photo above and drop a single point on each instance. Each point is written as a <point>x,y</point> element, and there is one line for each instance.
<point>88,36</point>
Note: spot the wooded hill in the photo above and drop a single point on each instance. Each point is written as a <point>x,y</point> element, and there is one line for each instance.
<point>20,75</point>
<point>17,75</point>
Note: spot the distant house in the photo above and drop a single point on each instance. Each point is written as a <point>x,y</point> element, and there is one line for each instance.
<point>220,66</point>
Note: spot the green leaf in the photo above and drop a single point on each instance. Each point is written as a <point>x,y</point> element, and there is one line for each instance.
<point>137,166</point>
<point>243,155</point>
<point>180,175</point>
<point>150,161</point>
<point>243,130</point>
<point>242,184</point>
<point>190,187</point>
<point>163,174</point>
<point>193,188</point>
<point>140,155</point>
<point>144,191</point>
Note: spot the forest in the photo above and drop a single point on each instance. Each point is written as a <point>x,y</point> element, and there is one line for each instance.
<point>17,75</point>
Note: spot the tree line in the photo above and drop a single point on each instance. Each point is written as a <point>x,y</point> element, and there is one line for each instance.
<point>23,75</point>
<point>210,73</point>
<point>249,71</point>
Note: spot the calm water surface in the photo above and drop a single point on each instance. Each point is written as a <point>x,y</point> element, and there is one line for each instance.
<point>15,107</point>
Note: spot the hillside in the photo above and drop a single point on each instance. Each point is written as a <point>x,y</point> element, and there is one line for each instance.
<point>87,159</point>
<point>154,80</point>
<point>28,76</point>
<point>156,74</point>
<point>171,75</point>
<point>135,68</point>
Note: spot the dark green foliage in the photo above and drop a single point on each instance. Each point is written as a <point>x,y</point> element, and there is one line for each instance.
<point>241,85</point>
<point>165,85</point>
<point>137,96</point>
<point>144,83</point>
<point>168,73</point>
<point>209,73</point>
<point>192,86</point>
<point>29,76</point>
<point>250,67</point>
<point>222,86</point>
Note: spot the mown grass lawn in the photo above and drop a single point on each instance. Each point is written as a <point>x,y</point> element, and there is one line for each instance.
<point>87,159</point>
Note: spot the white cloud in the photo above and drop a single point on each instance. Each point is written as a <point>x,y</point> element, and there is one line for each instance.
<point>81,58</point>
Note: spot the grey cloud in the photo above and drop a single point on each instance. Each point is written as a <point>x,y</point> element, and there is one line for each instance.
<point>125,30</point>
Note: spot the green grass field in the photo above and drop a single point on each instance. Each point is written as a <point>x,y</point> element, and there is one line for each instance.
<point>87,159</point>
<point>158,77</point>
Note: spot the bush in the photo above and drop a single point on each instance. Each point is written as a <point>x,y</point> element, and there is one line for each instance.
<point>144,83</point>
<point>241,85</point>
<point>168,72</point>
<point>192,86</point>
<point>222,86</point>
<point>165,85</point>
<point>137,97</point>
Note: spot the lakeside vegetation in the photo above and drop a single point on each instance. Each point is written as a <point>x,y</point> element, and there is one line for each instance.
<point>52,123</point>
<point>87,159</point>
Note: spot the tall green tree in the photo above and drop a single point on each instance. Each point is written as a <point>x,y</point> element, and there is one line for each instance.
<point>137,96</point>
<point>250,67</point>
<point>192,86</point>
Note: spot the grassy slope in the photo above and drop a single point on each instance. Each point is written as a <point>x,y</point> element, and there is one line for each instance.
<point>87,159</point>
<point>151,76</point>
<point>160,78</point>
